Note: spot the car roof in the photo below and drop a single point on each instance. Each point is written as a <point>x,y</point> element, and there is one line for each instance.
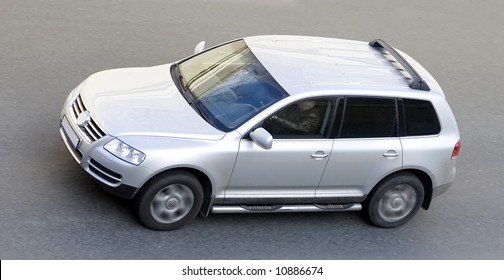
<point>303,64</point>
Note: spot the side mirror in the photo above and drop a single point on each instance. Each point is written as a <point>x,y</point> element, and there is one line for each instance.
<point>199,47</point>
<point>262,138</point>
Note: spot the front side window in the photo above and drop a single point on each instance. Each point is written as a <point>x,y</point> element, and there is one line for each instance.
<point>421,118</point>
<point>369,118</point>
<point>227,85</point>
<point>306,119</point>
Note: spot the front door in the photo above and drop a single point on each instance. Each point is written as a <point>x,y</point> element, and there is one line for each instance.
<point>291,170</point>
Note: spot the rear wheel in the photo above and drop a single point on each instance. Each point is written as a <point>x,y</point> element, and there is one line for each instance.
<point>395,200</point>
<point>170,201</point>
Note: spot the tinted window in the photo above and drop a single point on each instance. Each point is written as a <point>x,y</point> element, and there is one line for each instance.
<point>421,118</point>
<point>369,118</point>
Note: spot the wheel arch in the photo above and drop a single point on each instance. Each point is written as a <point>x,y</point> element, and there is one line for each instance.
<point>422,176</point>
<point>427,184</point>
<point>204,180</point>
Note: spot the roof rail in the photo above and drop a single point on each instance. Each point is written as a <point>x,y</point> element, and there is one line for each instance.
<point>417,83</point>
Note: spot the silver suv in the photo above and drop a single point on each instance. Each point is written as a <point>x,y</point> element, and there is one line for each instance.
<point>267,124</point>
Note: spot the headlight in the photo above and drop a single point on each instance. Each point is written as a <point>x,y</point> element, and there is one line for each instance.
<point>124,151</point>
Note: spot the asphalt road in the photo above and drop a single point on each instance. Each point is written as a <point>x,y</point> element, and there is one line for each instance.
<point>50,209</point>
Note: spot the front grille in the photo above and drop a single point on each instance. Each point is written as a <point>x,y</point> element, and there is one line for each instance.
<point>92,131</point>
<point>107,175</point>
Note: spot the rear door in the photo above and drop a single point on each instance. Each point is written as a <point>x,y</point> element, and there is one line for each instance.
<point>366,149</point>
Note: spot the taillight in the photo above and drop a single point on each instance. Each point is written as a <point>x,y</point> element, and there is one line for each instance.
<point>456,150</point>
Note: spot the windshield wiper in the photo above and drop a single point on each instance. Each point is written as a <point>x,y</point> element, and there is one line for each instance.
<point>176,77</point>
<point>186,93</point>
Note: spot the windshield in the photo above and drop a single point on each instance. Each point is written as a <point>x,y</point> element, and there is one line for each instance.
<point>228,85</point>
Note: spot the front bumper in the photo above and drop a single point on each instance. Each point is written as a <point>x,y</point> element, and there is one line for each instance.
<point>122,191</point>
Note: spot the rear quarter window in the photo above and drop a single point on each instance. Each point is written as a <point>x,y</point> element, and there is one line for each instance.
<point>420,117</point>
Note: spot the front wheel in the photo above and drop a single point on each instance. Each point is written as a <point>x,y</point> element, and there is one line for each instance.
<point>170,201</point>
<point>395,201</point>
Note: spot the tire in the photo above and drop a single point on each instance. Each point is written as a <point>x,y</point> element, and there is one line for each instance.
<point>395,200</point>
<point>170,201</point>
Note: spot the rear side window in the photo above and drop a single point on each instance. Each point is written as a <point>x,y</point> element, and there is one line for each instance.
<point>369,118</point>
<point>420,117</point>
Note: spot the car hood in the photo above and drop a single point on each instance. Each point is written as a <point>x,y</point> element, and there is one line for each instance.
<point>143,101</point>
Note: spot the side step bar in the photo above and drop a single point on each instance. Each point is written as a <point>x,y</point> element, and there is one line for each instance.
<point>226,209</point>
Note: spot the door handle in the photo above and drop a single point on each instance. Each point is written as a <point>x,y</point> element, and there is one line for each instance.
<point>319,155</point>
<point>391,154</point>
